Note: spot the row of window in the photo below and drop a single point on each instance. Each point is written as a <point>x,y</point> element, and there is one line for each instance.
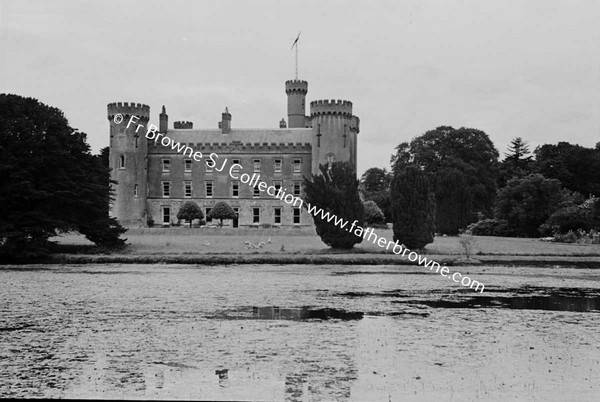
<point>256,215</point>
<point>256,165</point>
<point>209,187</point>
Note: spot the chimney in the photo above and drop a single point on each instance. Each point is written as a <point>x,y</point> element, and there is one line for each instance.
<point>225,123</point>
<point>163,121</point>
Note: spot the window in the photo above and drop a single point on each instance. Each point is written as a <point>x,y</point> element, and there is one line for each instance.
<point>345,134</point>
<point>135,190</point>
<point>188,165</point>
<point>277,215</point>
<point>166,215</point>
<point>209,189</point>
<point>255,215</point>
<point>187,189</point>
<point>209,169</point>
<point>256,192</point>
<point>166,189</point>
<point>278,163</point>
<point>235,169</point>
<point>207,211</point>
<point>296,216</point>
<point>121,161</point>
<point>235,189</point>
<point>297,187</point>
<point>256,163</point>
<point>166,165</point>
<point>136,140</point>
<point>277,185</point>
<point>297,162</point>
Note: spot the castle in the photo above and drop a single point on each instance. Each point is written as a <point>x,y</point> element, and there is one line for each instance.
<point>154,181</point>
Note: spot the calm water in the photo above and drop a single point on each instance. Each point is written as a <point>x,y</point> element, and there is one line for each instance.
<point>298,333</point>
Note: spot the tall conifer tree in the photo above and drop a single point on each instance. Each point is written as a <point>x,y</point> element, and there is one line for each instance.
<point>413,208</point>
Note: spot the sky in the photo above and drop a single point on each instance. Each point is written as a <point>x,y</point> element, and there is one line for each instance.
<point>512,68</point>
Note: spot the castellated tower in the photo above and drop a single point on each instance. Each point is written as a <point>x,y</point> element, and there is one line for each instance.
<point>128,163</point>
<point>296,91</point>
<point>334,131</point>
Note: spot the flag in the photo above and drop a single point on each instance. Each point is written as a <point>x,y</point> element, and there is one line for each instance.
<point>296,41</point>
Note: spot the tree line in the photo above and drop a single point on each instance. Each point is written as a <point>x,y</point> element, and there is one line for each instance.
<point>550,191</point>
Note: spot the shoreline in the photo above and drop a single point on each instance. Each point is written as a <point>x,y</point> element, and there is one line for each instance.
<point>319,259</point>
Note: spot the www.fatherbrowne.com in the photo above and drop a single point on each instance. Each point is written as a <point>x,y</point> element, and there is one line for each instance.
<point>279,193</point>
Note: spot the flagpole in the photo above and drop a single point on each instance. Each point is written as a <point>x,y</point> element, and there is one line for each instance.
<point>296,60</point>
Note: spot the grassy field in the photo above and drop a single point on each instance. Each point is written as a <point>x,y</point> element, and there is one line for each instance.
<point>182,241</point>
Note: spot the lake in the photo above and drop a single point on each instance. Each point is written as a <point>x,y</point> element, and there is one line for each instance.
<point>298,333</point>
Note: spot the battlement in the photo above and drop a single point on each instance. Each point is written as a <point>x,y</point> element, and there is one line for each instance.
<point>331,107</point>
<point>128,109</point>
<point>188,125</point>
<point>296,86</point>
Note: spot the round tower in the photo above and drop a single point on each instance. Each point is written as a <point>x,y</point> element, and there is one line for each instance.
<point>296,91</point>
<point>128,161</point>
<point>334,132</point>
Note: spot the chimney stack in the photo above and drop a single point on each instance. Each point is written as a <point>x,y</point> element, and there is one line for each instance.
<point>225,124</point>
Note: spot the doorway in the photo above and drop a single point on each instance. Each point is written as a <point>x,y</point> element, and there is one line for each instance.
<point>237,217</point>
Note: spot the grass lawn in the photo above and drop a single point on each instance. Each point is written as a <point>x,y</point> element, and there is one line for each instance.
<point>182,241</point>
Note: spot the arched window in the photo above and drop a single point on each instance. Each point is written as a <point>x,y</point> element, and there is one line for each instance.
<point>121,161</point>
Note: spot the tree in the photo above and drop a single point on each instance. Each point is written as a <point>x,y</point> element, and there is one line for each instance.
<point>190,211</point>
<point>104,157</point>
<point>454,204</point>
<point>577,167</point>
<point>413,208</point>
<point>466,150</point>
<point>527,202</point>
<point>517,161</point>
<point>50,183</point>
<point>221,210</point>
<point>373,215</point>
<point>335,191</point>
<point>376,187</point>
<point>518,153</point>
<point>375,180</point>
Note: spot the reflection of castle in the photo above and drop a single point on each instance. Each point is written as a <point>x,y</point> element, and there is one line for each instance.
<point>154,181</point>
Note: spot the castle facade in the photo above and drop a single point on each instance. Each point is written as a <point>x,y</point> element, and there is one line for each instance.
<point>153,181</point>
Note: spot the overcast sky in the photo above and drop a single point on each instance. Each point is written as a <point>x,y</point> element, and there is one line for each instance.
<point>510,68</point>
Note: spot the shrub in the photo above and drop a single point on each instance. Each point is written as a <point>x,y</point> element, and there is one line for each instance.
<point>491,227</point>
<point>150,221</point>
<point>580,236</point>
<point>467,242</point>
<point>566,220</point>
<point>373,215</point>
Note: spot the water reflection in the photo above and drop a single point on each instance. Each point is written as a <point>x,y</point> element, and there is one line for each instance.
<point>303,313</point>
<point>552,301</point>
